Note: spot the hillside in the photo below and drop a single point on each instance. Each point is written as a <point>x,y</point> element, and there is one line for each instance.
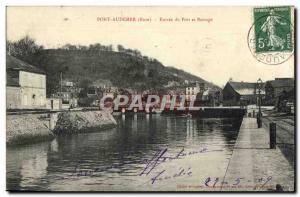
<point>109,68</point>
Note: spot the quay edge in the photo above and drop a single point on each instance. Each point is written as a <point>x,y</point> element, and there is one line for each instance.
<point>30,128</point>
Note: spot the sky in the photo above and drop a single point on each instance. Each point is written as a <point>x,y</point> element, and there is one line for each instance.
<point>213,47</point>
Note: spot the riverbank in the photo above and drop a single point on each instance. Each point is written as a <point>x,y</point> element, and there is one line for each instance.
<point>30,128</point>
<point>83,121</point>
<point>255,167</point>
<point>27,128</point>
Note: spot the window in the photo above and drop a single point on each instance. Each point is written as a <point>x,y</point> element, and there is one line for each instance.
<point>25,101</point>
<point>41,100</point>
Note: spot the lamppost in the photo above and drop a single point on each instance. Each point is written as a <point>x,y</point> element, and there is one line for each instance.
<point>259,86</point>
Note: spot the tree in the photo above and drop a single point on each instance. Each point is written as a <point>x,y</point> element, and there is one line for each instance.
<point>120,48</point>
<point>110,47</point>
<point>137,53</point>
<point>82,47</point>
<point>24,48</point>
<point>95,47</point>
<point>85,83</point>
<point>69,47</point>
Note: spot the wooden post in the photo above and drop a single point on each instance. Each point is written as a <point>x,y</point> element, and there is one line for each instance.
<point>259,120</point>
<point>272,135</point>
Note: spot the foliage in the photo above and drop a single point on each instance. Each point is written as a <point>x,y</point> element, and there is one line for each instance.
<point>124,68</point>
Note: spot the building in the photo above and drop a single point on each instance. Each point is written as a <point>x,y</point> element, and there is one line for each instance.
<point>241,93</point>
<point>193,89</point>
<point>68,84</point>
<point>285,102</point>
<point>172,84</point>
<point>68,94</point>
<point>69,99</point>
<point>275,88</point>
<point>54,103</point>
<point>25,85</point>
<point>209,97</point>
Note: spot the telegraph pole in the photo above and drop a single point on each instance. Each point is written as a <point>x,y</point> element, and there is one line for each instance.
<point>61,84</point>
<point>259,120</point>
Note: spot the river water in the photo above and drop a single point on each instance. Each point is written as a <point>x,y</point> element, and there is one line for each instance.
<point>144,152</point>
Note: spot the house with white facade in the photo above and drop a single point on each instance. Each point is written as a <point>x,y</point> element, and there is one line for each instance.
<point>25,85</point>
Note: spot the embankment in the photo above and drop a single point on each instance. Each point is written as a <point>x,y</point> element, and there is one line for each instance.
<point>83,121</point>
<point>30,128</point>
<point>27,128</point>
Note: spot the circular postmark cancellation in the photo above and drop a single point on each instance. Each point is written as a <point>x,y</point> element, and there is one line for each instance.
<point>271,36</point>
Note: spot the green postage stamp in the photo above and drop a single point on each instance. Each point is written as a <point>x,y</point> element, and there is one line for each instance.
<point>270,38</point>
<point>273,29</point>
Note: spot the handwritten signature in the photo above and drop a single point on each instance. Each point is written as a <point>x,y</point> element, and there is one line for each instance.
<point>161,156</point>
<point>163,176</point>
<point>158,158</point>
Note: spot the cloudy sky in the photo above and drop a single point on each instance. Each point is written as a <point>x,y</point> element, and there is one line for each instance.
<point>214,47</point>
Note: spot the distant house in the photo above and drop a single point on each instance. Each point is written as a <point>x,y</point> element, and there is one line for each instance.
<point>68,94</point>
<point>193,89</point>
<point>241,93</point>
<point>209,97</point>
<point>69,99</point>
<point>275,88</point>
<point>69,86</point>
<point>66,83</point>
<point>172,84</point>
<point>25,85</point>
<point>285,101</point>
<point>54,104</point>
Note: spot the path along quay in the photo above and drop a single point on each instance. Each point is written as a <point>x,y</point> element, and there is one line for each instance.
<point>254,166</point>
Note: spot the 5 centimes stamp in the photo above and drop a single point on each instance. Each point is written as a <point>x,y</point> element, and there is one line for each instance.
<point>270,38</point>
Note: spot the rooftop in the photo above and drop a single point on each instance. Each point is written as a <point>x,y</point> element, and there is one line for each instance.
<point>282,82</point>
<point>13,63</point>
<point>245,88</point>
<point>12,80</point>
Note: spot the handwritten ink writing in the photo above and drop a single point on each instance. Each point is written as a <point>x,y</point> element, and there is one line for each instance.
<point>163,176</point>
<point>210,180</point>
<point>161,156</point>
<point>239,181</point>
<point>158,158</point>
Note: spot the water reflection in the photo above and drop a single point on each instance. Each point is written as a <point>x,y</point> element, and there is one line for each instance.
<point>27,166</point>
<point>119,153</point>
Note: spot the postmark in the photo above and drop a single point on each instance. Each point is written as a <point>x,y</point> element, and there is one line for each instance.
<point>271,36</point>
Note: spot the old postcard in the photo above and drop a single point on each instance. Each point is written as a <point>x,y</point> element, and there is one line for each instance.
<point>145,99</point>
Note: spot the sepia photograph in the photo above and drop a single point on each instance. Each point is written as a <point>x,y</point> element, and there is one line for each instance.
<point>150,99</point>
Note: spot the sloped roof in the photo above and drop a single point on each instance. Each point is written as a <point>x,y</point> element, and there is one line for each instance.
<point>12,81</point>
<point>282,82</point>
<point>245,88</point>
<point>13,63</point>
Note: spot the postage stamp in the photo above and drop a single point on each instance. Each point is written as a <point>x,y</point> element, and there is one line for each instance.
<point>270,38</point>
<point>272,29</point>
